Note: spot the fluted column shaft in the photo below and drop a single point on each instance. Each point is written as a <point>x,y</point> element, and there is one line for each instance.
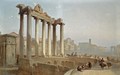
<point>49,39</point>
<point>43,37</point>
<point>36,36</point>
<point>29,35</point>
<point>62,39</point>
<point>54,40</point>
<point>21,33</point>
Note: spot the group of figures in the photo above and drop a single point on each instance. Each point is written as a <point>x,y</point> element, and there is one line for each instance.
<point>88,65</point>
<point>103,64</point>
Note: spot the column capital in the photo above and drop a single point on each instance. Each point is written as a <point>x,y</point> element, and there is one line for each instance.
<point>29,9</point>
<point>48,23</point>
<point>62,24</point>
<point>21,7</point>
<point>36,18</point>
<point>54,25</point>
<point>42,20</point>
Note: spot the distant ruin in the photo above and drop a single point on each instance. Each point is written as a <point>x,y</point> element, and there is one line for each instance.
<point>7,50</point>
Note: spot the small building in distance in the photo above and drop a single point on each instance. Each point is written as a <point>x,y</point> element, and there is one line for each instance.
<point>89,48</point>
<point>70,45</point>
<point>7,50</point>
<point>116,51</point>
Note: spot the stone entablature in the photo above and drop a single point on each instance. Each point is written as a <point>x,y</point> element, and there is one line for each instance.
<point>37,12</point>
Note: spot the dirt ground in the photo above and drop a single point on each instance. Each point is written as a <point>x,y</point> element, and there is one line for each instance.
<point>114,70</point>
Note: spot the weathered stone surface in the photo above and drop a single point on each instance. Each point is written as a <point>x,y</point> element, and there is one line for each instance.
<point>68,64</point>
<point>38,8</point>
<point>40,69</point>
<point>7,72</point>
<point>45,69</point>
<point>7,49</point>
<point>24,67</point>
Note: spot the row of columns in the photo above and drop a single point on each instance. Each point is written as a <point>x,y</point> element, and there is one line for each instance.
<point>29,36</point>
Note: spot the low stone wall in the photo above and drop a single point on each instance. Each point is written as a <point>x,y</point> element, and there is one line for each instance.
<point>49,67</point>
<point>8,72</point>
<point>24,67</point>
<point>68,64</point>
<point>40,69</point>
<point>45,69</point>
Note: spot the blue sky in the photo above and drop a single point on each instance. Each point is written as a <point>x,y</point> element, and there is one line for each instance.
<point>84,19</point>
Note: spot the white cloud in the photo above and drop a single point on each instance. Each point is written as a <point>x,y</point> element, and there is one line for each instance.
<point>18,17</point>
<point>11,17</point>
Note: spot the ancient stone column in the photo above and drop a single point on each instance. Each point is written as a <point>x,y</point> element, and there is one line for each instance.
<point>49,39</point>
<point>29,33</point>
<point>21,33</point>
<point>54,40</point>
<point>43,37</point>
<point>36,37</point>
<point>62,39</point>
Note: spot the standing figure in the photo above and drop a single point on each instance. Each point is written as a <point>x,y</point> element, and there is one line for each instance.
<point>89,65</point>
<point>79,68</point>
